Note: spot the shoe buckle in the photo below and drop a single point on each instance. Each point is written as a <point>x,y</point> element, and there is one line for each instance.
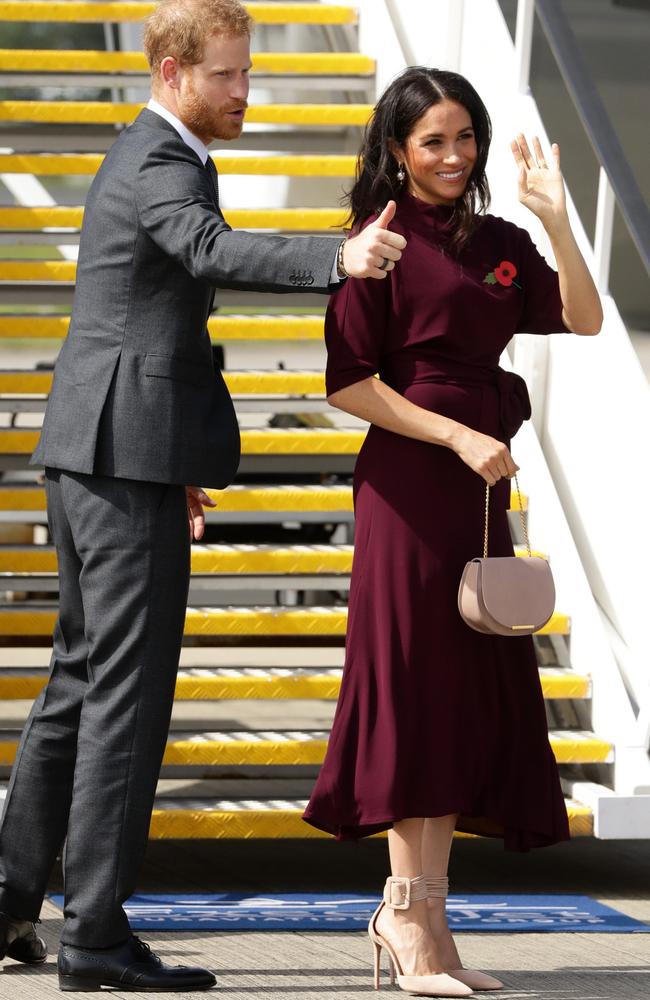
<point>397,893</point>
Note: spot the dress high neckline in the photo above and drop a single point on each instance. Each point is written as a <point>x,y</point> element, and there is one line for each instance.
<point>410,203</point>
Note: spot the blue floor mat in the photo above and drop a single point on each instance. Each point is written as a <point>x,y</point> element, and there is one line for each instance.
<point>233,911</point>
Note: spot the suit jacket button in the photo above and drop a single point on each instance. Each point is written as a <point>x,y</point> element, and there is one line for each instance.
<point>310,280</point>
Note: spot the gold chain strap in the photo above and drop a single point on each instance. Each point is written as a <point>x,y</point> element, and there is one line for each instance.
<point>524,519</point>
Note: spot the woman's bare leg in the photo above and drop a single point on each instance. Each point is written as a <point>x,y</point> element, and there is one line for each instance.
<point>437,837</point>
<point>408,930</point>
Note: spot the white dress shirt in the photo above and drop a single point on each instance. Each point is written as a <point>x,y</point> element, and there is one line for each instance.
<point>188,137</point>
<point>201,150</point>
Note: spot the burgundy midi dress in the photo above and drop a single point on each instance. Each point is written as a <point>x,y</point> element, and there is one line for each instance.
<point>434,718</point>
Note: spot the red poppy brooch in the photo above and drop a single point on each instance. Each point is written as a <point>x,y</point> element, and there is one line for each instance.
<point>504,274</point>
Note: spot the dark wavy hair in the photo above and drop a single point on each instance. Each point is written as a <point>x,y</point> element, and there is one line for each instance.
<point>396,114</point>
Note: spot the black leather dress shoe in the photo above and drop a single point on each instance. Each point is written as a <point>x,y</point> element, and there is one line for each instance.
<point>128,966</point>
<point>19,940</point>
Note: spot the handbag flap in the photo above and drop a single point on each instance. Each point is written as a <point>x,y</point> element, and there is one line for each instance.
<point>518,591</point>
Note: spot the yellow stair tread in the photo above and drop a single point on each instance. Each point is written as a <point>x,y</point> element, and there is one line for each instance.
<point>209,559</point>
<point>109,113</point>
<point>262,441</point>
<point>84,61</point>
<point>71,217</point>
<point>236,498</point>
<point>203,818</point>
<point>213,559</point>
<point>255,327</point>
<point>322,499</point>
<point>296,441</point>
<point>118,10</point>
<point>247,383</point>
<point>289,749</point>
<point>67,164</point>
<point>259,820</point>
<point>223,683</point>
<point>246,621</point>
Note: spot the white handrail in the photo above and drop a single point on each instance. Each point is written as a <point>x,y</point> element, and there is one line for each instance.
<point>524,43</point>
<point>604,231</point>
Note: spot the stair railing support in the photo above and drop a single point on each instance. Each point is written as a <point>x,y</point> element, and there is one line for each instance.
<point>604,231</point>
<point>524,43</point>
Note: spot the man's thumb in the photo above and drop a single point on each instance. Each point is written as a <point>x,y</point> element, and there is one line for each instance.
<point>387,215</point>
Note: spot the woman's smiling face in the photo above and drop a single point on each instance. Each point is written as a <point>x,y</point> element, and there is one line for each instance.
<point>440,153</point>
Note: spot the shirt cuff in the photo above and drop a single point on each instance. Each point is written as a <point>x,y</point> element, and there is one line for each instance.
<point>334,276</point>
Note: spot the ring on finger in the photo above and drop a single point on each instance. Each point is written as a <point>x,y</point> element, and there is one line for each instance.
<point>384,264</point>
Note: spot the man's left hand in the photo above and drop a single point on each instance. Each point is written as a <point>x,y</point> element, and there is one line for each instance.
<point>197,499</point>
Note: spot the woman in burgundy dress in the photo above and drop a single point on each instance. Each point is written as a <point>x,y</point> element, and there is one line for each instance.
<point>439,727</point>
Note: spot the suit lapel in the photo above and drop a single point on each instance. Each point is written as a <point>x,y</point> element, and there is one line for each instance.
<point>214,177</point>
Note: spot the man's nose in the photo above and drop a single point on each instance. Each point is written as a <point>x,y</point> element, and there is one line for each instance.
<point>240,87</point>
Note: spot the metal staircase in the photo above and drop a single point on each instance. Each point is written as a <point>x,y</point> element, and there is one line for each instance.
<point>264,633</point>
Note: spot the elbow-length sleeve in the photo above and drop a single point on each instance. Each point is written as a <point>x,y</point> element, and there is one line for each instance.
<point>542,306</point>
<point>355,327</point>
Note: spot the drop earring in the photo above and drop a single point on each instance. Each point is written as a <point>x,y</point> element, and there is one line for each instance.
<point>401,175</point>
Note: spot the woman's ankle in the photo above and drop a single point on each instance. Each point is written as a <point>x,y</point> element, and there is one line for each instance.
<point>417,913</point>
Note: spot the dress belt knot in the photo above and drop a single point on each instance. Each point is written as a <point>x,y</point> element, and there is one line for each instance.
<point>514,402</point>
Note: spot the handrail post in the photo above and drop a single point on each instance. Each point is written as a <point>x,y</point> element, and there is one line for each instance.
<point>604,231</point>
<point>524,43</point>
<point>455,17</point>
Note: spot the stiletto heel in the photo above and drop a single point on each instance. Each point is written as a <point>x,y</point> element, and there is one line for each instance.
<point>399,893</point>
<point>438,888</point>
<point>377,948</point>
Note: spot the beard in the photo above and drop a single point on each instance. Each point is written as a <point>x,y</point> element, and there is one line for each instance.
<point>206,121</point>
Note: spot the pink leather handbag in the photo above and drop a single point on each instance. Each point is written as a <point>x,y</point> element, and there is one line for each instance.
<point>506,595</point>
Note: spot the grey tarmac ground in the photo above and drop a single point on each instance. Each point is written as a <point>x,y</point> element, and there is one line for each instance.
<point>306,966</point>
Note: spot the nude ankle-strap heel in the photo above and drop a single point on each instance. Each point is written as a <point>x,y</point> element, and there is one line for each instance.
<point>438,888</point>
<point>399,893</point>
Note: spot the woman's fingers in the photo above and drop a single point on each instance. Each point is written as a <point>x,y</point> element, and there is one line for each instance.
<point>555,153</point>
<point>487,456</point>
<point>525,151</point>
<point>539,152</point>
<point>516,152</point>
<point>503,468</point>
<point>513,468</point>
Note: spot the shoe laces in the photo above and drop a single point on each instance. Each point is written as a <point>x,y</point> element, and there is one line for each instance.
<point>146,949</point>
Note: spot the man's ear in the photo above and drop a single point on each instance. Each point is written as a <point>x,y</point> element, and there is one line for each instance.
<point>170,72</point>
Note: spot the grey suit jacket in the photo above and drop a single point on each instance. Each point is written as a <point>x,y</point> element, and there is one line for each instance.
<point>135,392</point>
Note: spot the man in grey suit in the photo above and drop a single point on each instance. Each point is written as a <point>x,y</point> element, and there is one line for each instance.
<point>137,416</point>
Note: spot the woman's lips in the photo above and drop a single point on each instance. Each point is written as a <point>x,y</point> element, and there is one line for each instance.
<point>451,176</point>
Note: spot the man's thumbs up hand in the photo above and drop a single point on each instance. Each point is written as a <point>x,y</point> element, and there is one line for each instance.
<point>374,251</point>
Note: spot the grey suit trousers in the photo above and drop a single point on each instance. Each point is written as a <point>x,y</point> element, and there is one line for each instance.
<point>89,758</point>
